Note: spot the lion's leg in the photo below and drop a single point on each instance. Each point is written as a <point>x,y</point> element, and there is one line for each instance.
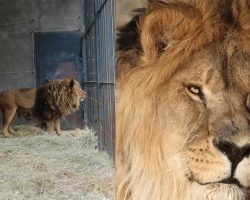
<point>10,129</point>
<point>50,127</point>
<point>8,116</point>
<point>58,127</point>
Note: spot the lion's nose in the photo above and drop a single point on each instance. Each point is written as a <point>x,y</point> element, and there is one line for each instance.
<point>233,152</point>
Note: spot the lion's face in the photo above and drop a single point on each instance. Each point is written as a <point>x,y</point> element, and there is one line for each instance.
<point>77,93</point>
<point>182,112</point>
<point>205,110</point>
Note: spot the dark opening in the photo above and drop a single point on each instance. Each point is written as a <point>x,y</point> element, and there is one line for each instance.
<point>59,55</point>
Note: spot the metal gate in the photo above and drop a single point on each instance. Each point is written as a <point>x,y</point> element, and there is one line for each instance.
<point>99,80</point>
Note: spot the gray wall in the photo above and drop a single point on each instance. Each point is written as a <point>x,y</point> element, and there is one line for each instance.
<point>19,19</point>
<point>124,10</point>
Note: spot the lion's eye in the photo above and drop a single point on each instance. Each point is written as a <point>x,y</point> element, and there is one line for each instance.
<point>194,89</point>
<point>195,92</point>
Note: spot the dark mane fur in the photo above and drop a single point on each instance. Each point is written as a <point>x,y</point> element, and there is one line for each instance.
<point>54,101</point>
<point>128,42</point>
<point>128,35</point>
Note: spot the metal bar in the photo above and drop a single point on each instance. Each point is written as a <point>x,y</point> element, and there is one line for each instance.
<point>94,21</point>
<point>101,7</point>
<point>99,62</point>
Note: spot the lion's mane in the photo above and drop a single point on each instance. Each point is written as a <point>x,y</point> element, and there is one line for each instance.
<point>166,33</point>
<point>56,100</point>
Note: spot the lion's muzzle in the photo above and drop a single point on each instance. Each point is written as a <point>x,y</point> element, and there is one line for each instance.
<point>235,155</point>
<point>83,95</point>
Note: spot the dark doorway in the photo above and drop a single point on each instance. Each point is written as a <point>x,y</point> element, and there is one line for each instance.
<point>58,55</point>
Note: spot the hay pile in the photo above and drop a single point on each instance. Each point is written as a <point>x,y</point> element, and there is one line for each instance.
<point>45,167</point>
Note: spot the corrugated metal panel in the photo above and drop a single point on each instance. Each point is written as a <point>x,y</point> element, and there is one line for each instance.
<point>100,76</point>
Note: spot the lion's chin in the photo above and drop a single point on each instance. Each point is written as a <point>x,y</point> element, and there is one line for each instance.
<point>219,191</point>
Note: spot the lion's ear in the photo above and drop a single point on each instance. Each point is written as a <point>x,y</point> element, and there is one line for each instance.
<point>164,23</point>
<point>154,38</point>
<point>177,23</point>
<point>72,83</point>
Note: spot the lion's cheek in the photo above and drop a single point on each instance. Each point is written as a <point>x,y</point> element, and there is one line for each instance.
<point>174,140</point>
<point>207,167</point>
<point>242,172</point>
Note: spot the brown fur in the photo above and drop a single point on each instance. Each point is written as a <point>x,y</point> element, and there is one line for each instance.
<point>13,101</point>
<point>182,112</point>
<point>49,103</point>
<point>56,100</point>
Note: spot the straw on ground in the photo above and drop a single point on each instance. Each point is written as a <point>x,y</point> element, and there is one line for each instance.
<point>38,166</point>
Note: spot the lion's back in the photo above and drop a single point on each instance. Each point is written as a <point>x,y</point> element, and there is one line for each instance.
<point>23,98</point>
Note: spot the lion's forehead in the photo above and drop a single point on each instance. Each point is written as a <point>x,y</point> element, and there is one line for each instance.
<point>240,70</point>
<point>216,67</point>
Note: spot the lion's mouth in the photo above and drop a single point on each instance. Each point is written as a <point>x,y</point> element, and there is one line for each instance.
<point>231,181</point>
<point>228,181</point>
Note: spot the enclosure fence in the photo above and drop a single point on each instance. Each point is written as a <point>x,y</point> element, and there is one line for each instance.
<point>98,59</point>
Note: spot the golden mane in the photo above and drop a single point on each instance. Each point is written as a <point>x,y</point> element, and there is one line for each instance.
<point>167,33</point>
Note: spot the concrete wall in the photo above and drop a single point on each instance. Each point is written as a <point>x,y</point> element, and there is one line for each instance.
<point>124,10</point>
<point>19,19</point>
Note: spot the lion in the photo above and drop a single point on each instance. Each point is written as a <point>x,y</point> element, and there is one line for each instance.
<point>56,100</point>
<point>183,101</point>
<point>49,102</point>
<point>13,101</point>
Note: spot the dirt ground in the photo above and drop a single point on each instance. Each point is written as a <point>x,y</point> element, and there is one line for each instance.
<point>38,166</point>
